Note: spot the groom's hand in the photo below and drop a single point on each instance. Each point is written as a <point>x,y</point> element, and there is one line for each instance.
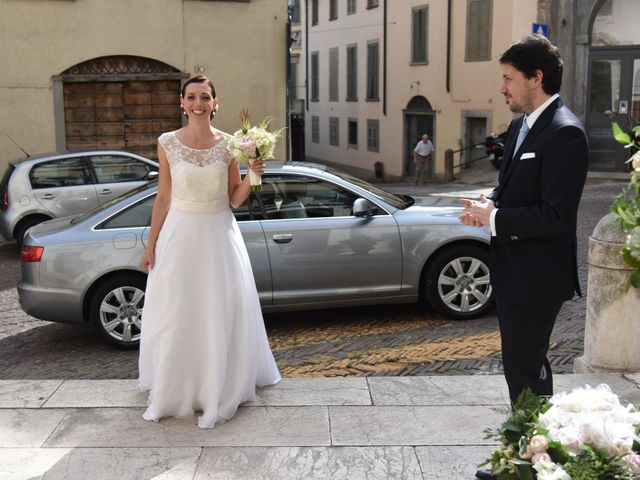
<point>476,213</point>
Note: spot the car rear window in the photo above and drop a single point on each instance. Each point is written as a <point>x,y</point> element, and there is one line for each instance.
<point>66,172</point>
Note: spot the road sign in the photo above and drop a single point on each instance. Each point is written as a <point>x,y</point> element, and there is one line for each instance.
<point>541,29</point>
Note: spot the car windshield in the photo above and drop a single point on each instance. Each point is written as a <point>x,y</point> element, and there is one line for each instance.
<point>398,201</point>
<point>99,208</point>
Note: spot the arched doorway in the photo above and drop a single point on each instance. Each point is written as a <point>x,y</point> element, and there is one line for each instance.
<point>418,120</point>
<point>118,102</point>
<point>614,80</point>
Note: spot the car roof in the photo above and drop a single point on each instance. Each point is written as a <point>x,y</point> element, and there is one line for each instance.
<point>74,153</point>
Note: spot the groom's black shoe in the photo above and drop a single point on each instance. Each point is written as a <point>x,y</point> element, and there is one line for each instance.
<point>485,475</point>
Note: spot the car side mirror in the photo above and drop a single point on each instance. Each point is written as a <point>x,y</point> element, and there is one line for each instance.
<point>152,175</point>
<point>364,208</point>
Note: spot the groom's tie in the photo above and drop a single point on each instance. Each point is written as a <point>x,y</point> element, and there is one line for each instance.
<point>524,129</point>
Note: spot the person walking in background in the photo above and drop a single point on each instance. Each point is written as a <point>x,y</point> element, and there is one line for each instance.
<point>533,213</point>
<point>422,158</point>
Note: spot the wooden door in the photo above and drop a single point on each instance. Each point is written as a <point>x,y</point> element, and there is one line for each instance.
<point>123,115</point>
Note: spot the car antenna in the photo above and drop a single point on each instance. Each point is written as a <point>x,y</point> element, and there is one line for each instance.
<point>16,144</point>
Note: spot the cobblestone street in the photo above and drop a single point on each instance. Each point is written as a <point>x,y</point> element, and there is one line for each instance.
<point>380,340</point>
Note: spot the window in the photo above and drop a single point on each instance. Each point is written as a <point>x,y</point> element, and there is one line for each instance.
<point>67,172</point>
<point>334,131</point>
<point>314,12</point>
<point>315,86</point>
<point>372,3</point>
<point>478,30</point>
<point>116,169</point>
<point>353,133</point>
<point>419,37</point>
<point>137,215</point>
<point>352,76</point>
<point>315,129</point>
<point>333,75</point>
<point>373,135</point>
<point>297,196</point>
<point>372,70</point>
<point>351,7</point>
<point>333,9</point>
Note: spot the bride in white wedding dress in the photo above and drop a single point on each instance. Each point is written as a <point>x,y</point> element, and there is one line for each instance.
<point>203,345</point>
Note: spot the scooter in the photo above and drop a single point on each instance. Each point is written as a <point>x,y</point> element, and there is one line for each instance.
<point>494,149</point>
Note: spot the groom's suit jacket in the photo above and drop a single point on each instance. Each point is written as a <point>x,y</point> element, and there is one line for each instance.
<point>533,256</point>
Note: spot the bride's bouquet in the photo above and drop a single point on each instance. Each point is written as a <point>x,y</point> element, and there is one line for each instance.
<point>253,143</point>
<point>582,435</point>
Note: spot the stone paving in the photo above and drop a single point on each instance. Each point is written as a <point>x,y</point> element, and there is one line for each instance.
<point>348,428</point>
<point>391,340</point>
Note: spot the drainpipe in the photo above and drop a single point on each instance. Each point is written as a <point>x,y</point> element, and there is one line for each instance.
<point>306,53</point>
<point>384,60</point>
<point>448,81</point>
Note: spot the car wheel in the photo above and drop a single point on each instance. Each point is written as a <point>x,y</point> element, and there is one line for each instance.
<point>116,310</point>
<point>457,282</point>
<point>24,225</point>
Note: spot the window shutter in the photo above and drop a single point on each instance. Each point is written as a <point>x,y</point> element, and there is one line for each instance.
<point>479,30</point>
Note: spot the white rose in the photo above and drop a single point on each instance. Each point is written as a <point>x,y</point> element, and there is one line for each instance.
<point>635,161</point>
<point>538,444</point>
<point>540,457</point>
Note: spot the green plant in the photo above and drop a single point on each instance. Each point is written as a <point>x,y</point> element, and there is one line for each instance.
<point>627,205</point>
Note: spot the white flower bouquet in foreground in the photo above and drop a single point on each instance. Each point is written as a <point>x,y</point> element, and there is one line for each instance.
<point>252,143</point>
<point>582,435</point>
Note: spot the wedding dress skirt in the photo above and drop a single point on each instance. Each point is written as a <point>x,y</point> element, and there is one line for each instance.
<point>204,345</point>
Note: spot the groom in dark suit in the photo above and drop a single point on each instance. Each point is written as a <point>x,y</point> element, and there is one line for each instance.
<point>532,212</point>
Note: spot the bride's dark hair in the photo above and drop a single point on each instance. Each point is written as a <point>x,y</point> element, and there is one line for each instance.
<point>200,79</point>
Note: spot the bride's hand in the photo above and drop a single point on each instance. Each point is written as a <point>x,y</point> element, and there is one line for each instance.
<point>257,167</point>
<point>148,259</point>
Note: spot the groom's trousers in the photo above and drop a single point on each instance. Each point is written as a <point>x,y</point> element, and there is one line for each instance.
<point>525,332</point>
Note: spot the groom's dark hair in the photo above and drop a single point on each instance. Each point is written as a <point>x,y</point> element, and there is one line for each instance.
<point>535,52</point>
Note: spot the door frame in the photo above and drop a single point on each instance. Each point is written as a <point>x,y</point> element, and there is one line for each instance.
<point>626,55</point>
<point>464,133</point>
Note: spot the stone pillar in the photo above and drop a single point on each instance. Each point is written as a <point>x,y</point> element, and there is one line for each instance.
<point>612,331</point>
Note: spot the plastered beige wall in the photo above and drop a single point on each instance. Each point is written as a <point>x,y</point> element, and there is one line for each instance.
<point>241,44</point>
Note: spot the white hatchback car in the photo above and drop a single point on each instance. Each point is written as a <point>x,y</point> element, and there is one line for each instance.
<point>66,183</point>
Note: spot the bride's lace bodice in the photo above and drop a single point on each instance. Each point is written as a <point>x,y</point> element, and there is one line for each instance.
<point>199,178</point>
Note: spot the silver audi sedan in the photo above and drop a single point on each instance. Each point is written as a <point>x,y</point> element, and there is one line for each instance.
<point>316,237</point>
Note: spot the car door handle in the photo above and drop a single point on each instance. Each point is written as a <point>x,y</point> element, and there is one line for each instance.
<point>47,196</point>
<point>105,191</point>
<point>283,238</point>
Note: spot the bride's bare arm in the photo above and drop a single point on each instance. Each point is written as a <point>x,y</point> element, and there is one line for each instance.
<point>160,208</point>
<point>239,188</point>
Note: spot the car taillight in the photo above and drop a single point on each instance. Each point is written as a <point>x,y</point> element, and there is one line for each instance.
<point>31,253</point>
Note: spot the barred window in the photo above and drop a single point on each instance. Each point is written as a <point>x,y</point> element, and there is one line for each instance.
<point>334,131</point>
<point>351,7</point>
<point>315,129</point>
<point>373,135</point>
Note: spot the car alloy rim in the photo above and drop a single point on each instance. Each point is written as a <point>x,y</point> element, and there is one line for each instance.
<point>463,284</point>
<point>121,313</point>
